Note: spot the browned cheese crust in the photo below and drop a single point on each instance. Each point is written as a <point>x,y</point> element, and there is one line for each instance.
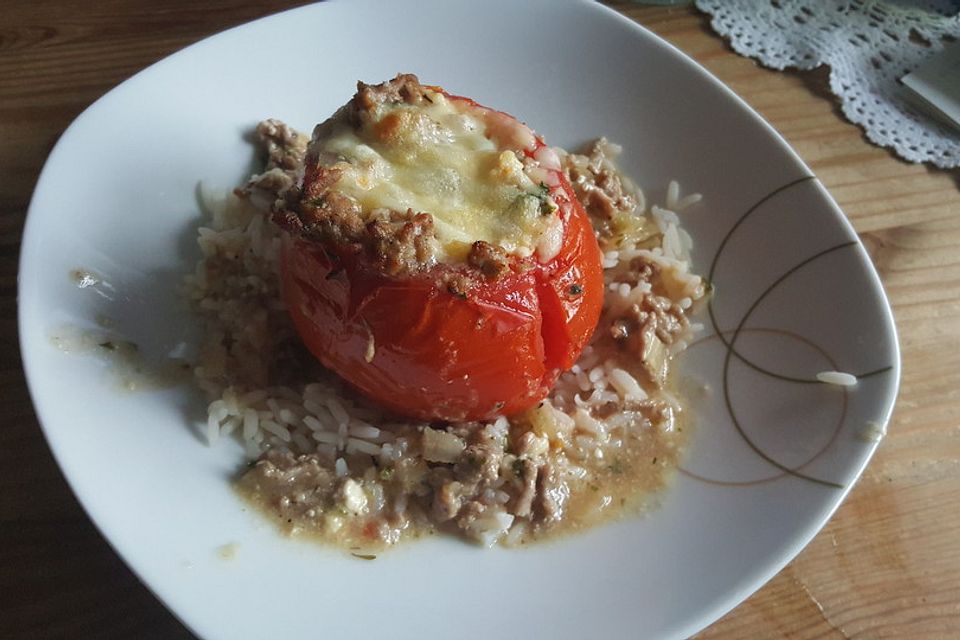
<point>396,243</point>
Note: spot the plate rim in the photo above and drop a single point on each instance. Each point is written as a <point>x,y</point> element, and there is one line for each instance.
<point>708,616</point>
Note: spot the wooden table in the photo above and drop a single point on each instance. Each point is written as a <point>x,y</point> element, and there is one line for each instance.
<point>887,564</point>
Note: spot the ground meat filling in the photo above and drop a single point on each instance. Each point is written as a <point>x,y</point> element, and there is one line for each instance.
<point>477,476</point>
<point>650,326</point>
<point>405,87</point>
<point>400,240</point>
<point>490,260</point>
<point>299,486</point>
<point>285,146</point>
<point>598,185</point>
<point>283,173</point>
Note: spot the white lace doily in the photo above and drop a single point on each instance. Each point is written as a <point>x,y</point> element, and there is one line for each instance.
<point>868,45</point>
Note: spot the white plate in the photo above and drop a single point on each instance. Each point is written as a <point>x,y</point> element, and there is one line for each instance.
<point>117,197</point>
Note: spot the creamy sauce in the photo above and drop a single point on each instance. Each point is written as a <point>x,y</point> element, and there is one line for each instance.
<point>625,483</point>
<point>449,160</point>
<point>228,551</point>
<point>126,364</point>
<point>363,513</point>
<point>128,367</point>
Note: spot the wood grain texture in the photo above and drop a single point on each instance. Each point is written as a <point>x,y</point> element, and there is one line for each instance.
<point>886,566</point>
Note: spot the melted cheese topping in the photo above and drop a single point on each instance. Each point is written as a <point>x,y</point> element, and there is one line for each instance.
<point>452,160</point>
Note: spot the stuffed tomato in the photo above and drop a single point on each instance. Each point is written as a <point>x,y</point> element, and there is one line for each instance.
<point>435,256</point>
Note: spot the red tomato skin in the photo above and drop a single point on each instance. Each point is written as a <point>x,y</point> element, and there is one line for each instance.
<point>435,356</point>
<point>571,294</point>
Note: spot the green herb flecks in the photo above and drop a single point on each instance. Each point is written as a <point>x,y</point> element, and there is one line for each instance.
<point>547,206</point>
<point>617,467</point>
